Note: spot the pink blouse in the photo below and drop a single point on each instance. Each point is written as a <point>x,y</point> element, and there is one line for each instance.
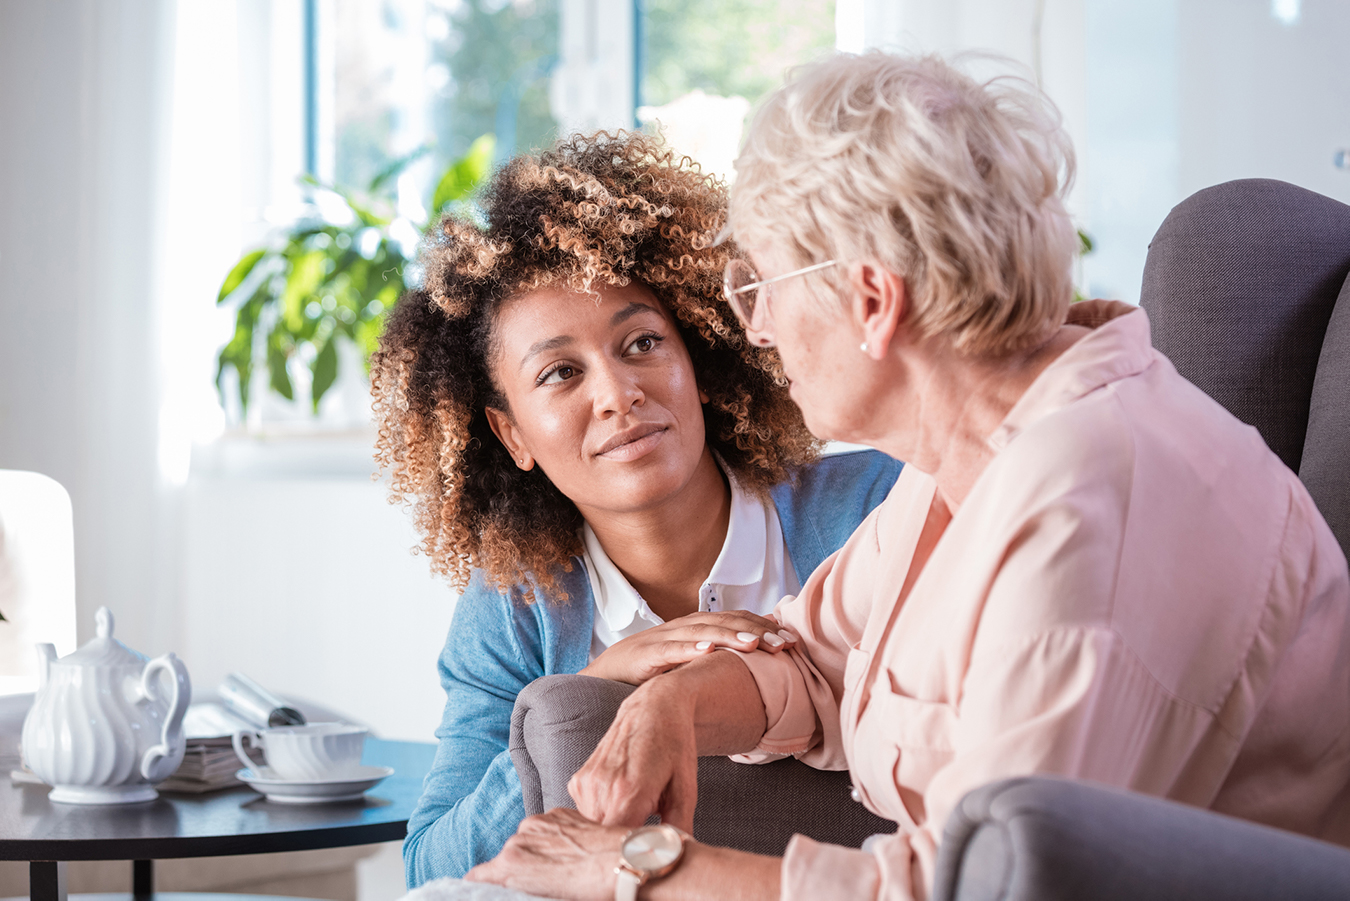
<point>1136,592</point>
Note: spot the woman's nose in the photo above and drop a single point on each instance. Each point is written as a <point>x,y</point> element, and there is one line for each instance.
<point>617,389</point>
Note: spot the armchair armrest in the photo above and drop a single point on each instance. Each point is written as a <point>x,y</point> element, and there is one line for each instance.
<point>1053,839</point>
<point>558,721</point>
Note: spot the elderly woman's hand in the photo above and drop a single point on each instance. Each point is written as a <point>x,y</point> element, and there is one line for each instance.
<point>646,763</point>
<point>659,649</point>
<point>557,853</point>
<point>561,854</point>
<point>648,760</point>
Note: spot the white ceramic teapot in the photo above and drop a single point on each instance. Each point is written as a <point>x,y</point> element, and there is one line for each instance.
<point>100,732</point>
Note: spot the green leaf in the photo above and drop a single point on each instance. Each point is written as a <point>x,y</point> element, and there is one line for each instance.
<point>324,369</point>
<point>396,167</point>
<point>2,618</point>
<point>277,354</point>
<point>239,351</point>
<point>241,271</point>
<point>307,271</point>
<point>465,174</point>
<point>1085,245</point>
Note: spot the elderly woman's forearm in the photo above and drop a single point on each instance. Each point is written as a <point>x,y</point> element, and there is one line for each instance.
<point>723,873</point>
<point>727,708</point>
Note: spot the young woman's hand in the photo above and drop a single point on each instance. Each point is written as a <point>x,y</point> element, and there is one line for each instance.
<point>639,657</point>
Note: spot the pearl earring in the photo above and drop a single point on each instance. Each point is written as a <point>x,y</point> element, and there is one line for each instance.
<point>863,347</point>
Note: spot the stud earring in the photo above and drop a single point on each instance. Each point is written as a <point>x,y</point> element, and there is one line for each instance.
<point>863,347</point>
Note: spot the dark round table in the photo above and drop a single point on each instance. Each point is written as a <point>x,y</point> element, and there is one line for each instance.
<point>233,821</point>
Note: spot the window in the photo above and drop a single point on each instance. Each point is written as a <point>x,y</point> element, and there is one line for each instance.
<point>706,63</point>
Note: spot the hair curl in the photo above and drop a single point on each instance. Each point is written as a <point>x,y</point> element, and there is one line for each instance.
<point>605,209</point>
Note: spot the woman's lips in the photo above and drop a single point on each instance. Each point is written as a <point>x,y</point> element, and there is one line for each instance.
<point>633,443</point>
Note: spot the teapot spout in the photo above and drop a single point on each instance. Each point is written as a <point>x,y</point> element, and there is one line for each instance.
<point>46,652</point>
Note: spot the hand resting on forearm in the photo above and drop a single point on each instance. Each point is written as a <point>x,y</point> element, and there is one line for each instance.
<point>659,649</point>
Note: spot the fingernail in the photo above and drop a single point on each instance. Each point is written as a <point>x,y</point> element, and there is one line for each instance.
<point>703,645</point>
<point>773,640</point>
<point>786,635</point>
<point>747,636</point>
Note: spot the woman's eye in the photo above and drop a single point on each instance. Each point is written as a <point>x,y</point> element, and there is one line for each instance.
<point>644,344</point>
<point>556,375</point>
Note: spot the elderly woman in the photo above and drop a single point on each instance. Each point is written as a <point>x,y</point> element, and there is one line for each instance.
<point>617,479</point>
<point>1087,568</point>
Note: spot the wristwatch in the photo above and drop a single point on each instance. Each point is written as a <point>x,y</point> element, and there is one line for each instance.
<point>648,852</point>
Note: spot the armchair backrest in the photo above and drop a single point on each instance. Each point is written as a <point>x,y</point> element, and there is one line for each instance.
<point>1246,289</point>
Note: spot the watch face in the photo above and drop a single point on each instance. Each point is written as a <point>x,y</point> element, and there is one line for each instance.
<point>652,848</point>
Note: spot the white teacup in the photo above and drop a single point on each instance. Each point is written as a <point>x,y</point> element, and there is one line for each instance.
<point>310,753</point>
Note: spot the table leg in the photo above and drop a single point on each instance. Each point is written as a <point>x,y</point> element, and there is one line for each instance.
<point>142,880</point>
<point>47,880</point>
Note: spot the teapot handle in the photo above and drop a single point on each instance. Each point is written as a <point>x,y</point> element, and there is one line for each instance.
<point>160,761</point>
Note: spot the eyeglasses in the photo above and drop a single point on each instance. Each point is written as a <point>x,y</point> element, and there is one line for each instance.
<point>744,289</point>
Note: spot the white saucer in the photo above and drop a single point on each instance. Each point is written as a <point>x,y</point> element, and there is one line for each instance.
<point>286,791</point>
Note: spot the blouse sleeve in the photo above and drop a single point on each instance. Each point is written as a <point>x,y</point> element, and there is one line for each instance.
<point>803,689</point>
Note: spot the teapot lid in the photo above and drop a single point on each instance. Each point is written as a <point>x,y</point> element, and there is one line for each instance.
<point>103,649</point>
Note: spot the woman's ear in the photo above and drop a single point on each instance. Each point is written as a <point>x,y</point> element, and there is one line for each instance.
<point>510,437</point>
<point>703,395</point>
<point>879,304</point>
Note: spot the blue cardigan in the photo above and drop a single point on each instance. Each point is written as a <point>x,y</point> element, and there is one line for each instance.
<point>471,800</point>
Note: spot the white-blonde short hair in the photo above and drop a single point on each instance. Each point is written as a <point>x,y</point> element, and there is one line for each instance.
<point>955,185</point>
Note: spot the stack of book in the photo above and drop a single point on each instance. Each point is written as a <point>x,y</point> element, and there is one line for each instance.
<point>209,762</point>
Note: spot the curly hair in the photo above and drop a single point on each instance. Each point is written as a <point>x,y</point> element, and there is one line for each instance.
<point>599,210</point>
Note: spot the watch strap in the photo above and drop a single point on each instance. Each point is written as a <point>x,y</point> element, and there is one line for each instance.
<point>626,887</point>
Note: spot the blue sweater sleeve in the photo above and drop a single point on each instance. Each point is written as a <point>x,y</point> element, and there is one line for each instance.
<point>471,800</point>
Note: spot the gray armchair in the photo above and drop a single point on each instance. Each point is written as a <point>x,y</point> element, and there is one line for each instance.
<point>1247,291</point>
<point>1039,838</point>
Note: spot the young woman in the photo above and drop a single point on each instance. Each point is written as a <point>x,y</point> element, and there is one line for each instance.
<point>614,476</point>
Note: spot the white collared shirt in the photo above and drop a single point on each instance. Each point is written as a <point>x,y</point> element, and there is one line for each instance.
<point>753,572</point>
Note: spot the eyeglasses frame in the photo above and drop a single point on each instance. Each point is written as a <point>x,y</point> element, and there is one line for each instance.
<point>733,298</point>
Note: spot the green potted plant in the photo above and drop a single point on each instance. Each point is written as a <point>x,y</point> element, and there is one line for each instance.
<point>332,277</point>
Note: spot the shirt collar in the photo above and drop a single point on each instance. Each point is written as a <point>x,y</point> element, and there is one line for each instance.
<point>616,601</point>
<point>1118,347</point>
<point>740,562</point>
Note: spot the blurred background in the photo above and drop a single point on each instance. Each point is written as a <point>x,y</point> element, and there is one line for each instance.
<point>210,419</point>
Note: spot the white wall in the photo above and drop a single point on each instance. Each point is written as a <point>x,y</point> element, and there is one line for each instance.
<point>1262,98</point>
<point>307,584</point>
<point>1160,97</point>
<point>83,93</point>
